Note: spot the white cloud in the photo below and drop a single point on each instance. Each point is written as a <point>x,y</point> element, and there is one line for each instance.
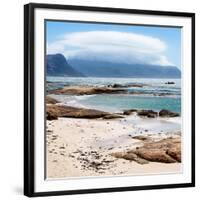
<point>112,46</point>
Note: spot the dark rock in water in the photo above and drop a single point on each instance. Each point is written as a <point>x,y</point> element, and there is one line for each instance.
<point>129,112</point>
<point>147,113</point>
<point>116,85</point>
<point>150,115</point>
<point>168,113</point>
<point>54,111</point>
<point>170,82</point>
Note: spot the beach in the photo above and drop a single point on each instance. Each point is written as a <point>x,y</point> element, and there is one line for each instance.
<point>84,147</point>
<point>106,127</point>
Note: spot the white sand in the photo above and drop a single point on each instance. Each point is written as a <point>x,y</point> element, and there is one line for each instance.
<point>82,147</point>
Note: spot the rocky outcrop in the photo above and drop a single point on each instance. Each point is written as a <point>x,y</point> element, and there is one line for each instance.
<point>165,150</point>
<point>87,90</point>
<point>129,112</point>
<point>116,85</point>
<point>50,100</point>
<point>130,156</point>
<point>54,111</point>
<point>147,113</point>
<point>168,113</point>
<point>112,116</point>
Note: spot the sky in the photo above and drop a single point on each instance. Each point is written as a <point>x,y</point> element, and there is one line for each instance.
<point>115,43</point>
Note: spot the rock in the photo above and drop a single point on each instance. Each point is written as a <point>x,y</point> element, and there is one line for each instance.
<point>129,112</point>
<point>141,137</point>
<point>130,156</point>
<point>51,116</point>
<point>165,150</point>
<point>147,113</point>
<point>175,153</point>
<point>55,111</point>
<point>170,82</point>
<point>116,85</point>
<point>168,113</point>
<point>87,90</point>
<point>112,116</point>
<point>50,100</point>
<point>154,155</point>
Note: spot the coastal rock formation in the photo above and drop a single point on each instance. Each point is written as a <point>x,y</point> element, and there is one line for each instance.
<point>50,100</point>
<point>87,90</point>
<point>165,150</point>
<point>116,85</point>
<point>51,116</point>
<point>130,156</point>
<point>55,111</point>
<point>147,113</point>
<point>168,113</point>
<point>112,116</point>
<point>129,112</point>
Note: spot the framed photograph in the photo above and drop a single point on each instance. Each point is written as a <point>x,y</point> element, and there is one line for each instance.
<point>108,99</point>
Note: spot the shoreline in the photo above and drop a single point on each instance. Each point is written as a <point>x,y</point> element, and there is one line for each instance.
<point>83,147</point>
<point>88,142</point>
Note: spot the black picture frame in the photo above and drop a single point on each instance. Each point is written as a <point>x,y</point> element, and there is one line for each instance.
<point>29,98</point>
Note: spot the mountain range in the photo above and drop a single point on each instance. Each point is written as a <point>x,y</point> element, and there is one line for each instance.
<point>57,65</point>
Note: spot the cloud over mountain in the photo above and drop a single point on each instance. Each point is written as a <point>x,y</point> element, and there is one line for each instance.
<point>112,46</point>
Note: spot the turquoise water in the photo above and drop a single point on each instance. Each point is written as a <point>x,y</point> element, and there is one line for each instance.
<point>118,102</point>
<point>121,102</point>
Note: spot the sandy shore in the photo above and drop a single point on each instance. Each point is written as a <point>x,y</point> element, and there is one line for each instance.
<point>83,147</point>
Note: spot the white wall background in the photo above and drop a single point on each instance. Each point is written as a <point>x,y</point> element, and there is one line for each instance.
<point>11,100</point>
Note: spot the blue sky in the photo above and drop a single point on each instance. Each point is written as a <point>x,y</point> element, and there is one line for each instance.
<point>150,43</point>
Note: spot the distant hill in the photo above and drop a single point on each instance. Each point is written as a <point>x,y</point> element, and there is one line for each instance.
<point>57,65</point>
<point>108,69</point>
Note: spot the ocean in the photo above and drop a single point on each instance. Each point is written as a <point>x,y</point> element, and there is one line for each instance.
<point>154,95</point>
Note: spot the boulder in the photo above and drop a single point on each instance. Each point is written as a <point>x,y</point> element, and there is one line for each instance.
<point>129,112</point>
<point>50,100</point>
<point>141,137</point>
<point>112,116</point>
<point>147,113</point>
<point>130,156</point>
<point>165,150</point>
<point>175,153</point>
<point>54,111</point>
<point>51,116</point>
<point>168,113</point>
<point>155,155</point>
<point>116,85</point>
